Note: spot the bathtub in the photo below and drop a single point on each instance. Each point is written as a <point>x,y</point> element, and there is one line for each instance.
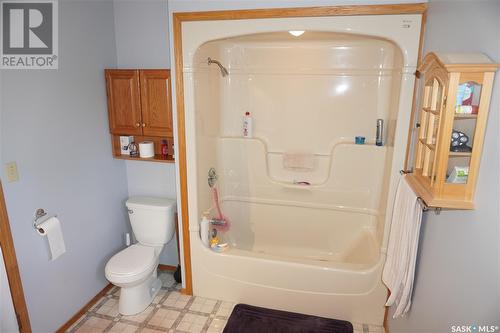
<point>317,249</point>
<point>324,262</point>
<point>322,237</point>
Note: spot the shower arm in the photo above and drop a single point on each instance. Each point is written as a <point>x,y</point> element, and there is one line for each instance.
<point>224,72</point>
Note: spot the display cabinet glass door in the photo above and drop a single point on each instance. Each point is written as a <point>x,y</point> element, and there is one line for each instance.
<point>433,99</point>
<point>463,129</point>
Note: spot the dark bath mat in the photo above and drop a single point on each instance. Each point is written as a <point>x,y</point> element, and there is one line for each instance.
<point>252,319</point>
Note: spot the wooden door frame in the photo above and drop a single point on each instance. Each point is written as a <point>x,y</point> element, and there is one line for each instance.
<point>179,18</point>
<point>10,259</point>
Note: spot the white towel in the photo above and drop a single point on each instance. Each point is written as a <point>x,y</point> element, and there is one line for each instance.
<point>399,269</point>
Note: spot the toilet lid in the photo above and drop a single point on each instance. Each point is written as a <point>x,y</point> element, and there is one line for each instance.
<point>133,260</point>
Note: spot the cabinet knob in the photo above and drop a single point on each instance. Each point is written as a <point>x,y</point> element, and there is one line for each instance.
<point>143,124</point>
<point>137,125</point>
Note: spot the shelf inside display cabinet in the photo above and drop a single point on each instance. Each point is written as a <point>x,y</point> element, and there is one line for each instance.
<point>465,116</point>
<point>453,97</point>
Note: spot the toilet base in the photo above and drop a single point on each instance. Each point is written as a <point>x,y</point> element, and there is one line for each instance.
<point>136,299</point>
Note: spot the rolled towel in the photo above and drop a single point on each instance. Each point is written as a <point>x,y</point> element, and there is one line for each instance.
<point>298,161</point>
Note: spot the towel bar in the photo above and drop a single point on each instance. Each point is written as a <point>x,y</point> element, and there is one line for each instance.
<point>425,207</point>
<point>437,210</point>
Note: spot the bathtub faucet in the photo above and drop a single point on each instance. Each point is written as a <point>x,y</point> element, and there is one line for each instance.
<point>218,221</point>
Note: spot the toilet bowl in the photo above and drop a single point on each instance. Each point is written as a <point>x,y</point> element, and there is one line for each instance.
<point>134,268</point>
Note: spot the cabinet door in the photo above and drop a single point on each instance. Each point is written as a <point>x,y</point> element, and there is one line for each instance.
<point>124,104</point>
<point>429,114</point>
<point>156,102</point>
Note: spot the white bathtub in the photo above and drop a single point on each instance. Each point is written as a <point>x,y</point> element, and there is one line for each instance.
<point>318,261</point>
<point>312,236</point>
<point>319,249</point>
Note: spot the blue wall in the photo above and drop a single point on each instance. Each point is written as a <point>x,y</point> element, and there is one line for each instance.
<point>142,41</point>
<point>54,125</point>
<point>458,272</point>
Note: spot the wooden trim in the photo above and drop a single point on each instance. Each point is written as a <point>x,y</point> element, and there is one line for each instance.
<point>462,68</point>
<point>181,149</point>
<point>169,268</point>
<point>417,181</point>
<point>84,309</point>
<point>417,8</point>
<point>156,159</point>
<point>385,325</point>
<point>477,145</point>
<point>415,88</point>
<point>178,18</point>
<point>177,238</point>
<point>10,259</point>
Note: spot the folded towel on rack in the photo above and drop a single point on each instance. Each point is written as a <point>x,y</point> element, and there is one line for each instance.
<point>399,269</point>
<point>298,161</point>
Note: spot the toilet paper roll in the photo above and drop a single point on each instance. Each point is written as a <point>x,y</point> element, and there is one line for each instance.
<point>52,229</point>
<point>146,149</point>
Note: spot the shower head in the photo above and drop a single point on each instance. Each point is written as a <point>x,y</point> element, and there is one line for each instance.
<point>223,69</point>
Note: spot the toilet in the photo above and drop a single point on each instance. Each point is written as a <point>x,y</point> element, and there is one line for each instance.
<point>134,268</point>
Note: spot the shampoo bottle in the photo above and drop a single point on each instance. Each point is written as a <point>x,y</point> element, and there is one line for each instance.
<point>204,230</point>
<point>247,125</point>
<point>380,132</point>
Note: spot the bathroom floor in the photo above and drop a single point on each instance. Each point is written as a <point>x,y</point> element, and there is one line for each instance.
<point>170,312</point>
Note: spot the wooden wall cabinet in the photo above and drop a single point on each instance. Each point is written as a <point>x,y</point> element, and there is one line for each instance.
<point>139,104</point>
<point>447,133</point>
<point>156,102</point>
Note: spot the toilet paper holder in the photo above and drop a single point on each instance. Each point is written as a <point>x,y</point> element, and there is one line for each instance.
<point>41,216</point>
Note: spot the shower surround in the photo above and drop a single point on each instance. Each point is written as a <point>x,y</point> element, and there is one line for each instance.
<point>317,248</point>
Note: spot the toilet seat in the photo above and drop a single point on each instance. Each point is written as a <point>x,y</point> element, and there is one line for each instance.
<point>131,264</point>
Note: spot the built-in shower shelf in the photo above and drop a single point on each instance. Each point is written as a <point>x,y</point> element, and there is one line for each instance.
<point>297,186</point>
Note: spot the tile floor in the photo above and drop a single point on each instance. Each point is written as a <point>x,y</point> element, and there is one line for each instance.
<point>170,312</point>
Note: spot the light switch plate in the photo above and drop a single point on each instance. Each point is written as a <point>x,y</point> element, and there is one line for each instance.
<point>11,171</point>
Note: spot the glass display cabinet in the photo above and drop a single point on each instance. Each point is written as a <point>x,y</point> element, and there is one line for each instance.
<point>448,126</point>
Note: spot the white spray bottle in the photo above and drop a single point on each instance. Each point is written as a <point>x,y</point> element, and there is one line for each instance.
<point>204,230</point>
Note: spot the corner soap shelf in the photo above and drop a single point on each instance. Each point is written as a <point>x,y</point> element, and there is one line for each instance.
<point>323,161</point>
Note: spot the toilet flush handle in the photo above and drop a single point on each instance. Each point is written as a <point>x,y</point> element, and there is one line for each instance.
<point>130,211</point>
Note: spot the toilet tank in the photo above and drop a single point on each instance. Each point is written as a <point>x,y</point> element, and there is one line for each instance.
<point>152,219</point>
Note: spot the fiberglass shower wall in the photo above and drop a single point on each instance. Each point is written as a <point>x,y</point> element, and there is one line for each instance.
<point>309,96</point>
